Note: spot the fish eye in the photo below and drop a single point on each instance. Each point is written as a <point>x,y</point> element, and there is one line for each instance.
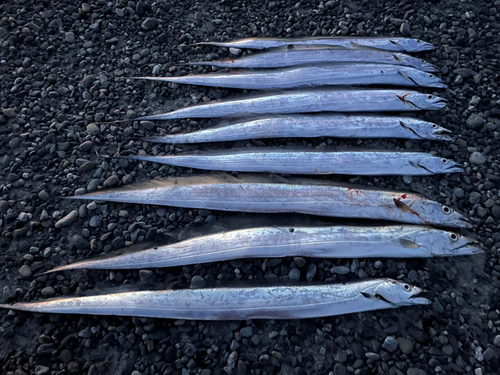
<point>453,236</point>
<point>422,60</point>
<point>431,76</point>
<point>446,210</point>
<point>444,161</point>
<point>434,126</point>
<point>406,287</point>
<point>291,230</point>
<point>429,96</point>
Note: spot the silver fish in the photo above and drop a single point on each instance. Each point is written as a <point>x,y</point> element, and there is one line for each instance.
<point>298,55</point>
<point>387,44</point>
<point>308,161</point>
<point>274,194</point>
<point>310,100</point>
<point>311,75</point>
<point>268,302</point>
<point>399,241</point>
<point>310,126</point>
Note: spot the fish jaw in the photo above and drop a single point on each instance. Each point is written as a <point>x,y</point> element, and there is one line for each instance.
<point>441,134</point>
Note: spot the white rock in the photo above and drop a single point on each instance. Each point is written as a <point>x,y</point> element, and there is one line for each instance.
<point>234,51</point>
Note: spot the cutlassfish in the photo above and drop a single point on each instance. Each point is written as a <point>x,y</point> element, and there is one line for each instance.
<point>275,194</point>
<point>268,302</point>
<point>302,54</point>
<point>269,241</point>
<point>310,100</point>
<point>311,75</point>
<point>309,126</point>
<point>313,162</point>
<point>383,43</point>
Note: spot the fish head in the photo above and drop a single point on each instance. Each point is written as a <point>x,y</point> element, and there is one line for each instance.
<point>423,101</point>
<point>426,130</point>
<point>394,293</point>
<point>414,45</point>
<point>440,243</point>
<point>414,62</point>
<point>420,78</point>
<point>435,165</point>
<point>432,212</point>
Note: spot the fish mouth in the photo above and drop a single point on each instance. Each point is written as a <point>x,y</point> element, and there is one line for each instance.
<point>440,85</point>
<point>455,168</point>
<point>428,67</point>
<point>463,222</point>
<point>417,299</point>
<point>442,134</point>
<point>425,46</point>
<point>470,248</point>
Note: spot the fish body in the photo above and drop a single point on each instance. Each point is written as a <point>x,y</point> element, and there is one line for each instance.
<point>311,75</point>
<point>310,100</point>
<point>398,241</point>
<point>313,162</point>
<point>300,55</point>
<point>310,126</point>
<point>388,44</point>
<point>268,302</point>
<point>273,194</point>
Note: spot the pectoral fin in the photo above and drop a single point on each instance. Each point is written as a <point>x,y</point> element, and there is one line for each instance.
<point>407,244</point>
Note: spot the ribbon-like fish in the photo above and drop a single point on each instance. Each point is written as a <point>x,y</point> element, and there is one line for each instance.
<point>311,75</point>
<point>383,43</point>
<point>268,302</point>
<point>302,54</point>
<point>274,194</point>
<point>398,241</point>
<point>312,162</point>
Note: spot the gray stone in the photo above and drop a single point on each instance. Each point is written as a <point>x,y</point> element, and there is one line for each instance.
<point>415,371</point>
<point>246,331</point>
<point>92,129</point>
<point>70,37</point>
<point>341,270</point>
<point>294,274</point>
<point>474,197</point>
<point>85,146</point>
<point>496,211</point>
<point>477,158</point>
<point>111,181</point>
<point>234,51</point>
<point>9,112</point>
<point>48,291</point>
<point>405,345</point>
<point>149,125</point>
<point>93,184</point>
<point>87,81</point>
<point>80,242</point>
<point>390,344</point>
<point>67,220</point>
<point>198,282</point>
<point>339,369</point>
<point>405,29</point>
<point>25,271</point>
<point>459,192</point>
<point>475,121</point>
<point>149,23</point>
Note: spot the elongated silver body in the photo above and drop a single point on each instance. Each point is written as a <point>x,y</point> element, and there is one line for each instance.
<point>299,55</point>
<point>311,75</point>
<point>384,43</point>
<point>307,161</point>
<point>399,241</point>
<point>268,302</point>
<point>272,194</point>
<point>310,126</point>
<point>310,100</point>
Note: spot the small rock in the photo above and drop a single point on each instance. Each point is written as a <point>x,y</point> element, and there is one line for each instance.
<point>70,37</point>
<point>390,344</point>
<point>477,158</point>
<point>234,51</point>
<point>87,81</point>
<point>85,146</point>
<point>405,29</point>
<point>25,271</point>
<point>92,129</point>
<point>458,192</point>
<point>9,112</point>
<point>198,282</point>
<point>43,195</point>
<point>341,270</point>
<point>475,121</point>
<point>405,345</point>
<point>415,371</point>
<point>111,181</point>
<point>80,242</point>
<point>149,23</point>
<point>48,291</point>
<point>294,274</point>
<point>246,331</point>
<point>67,220</point>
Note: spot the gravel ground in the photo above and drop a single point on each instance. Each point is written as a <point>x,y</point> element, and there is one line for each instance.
<point>61,69</point>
